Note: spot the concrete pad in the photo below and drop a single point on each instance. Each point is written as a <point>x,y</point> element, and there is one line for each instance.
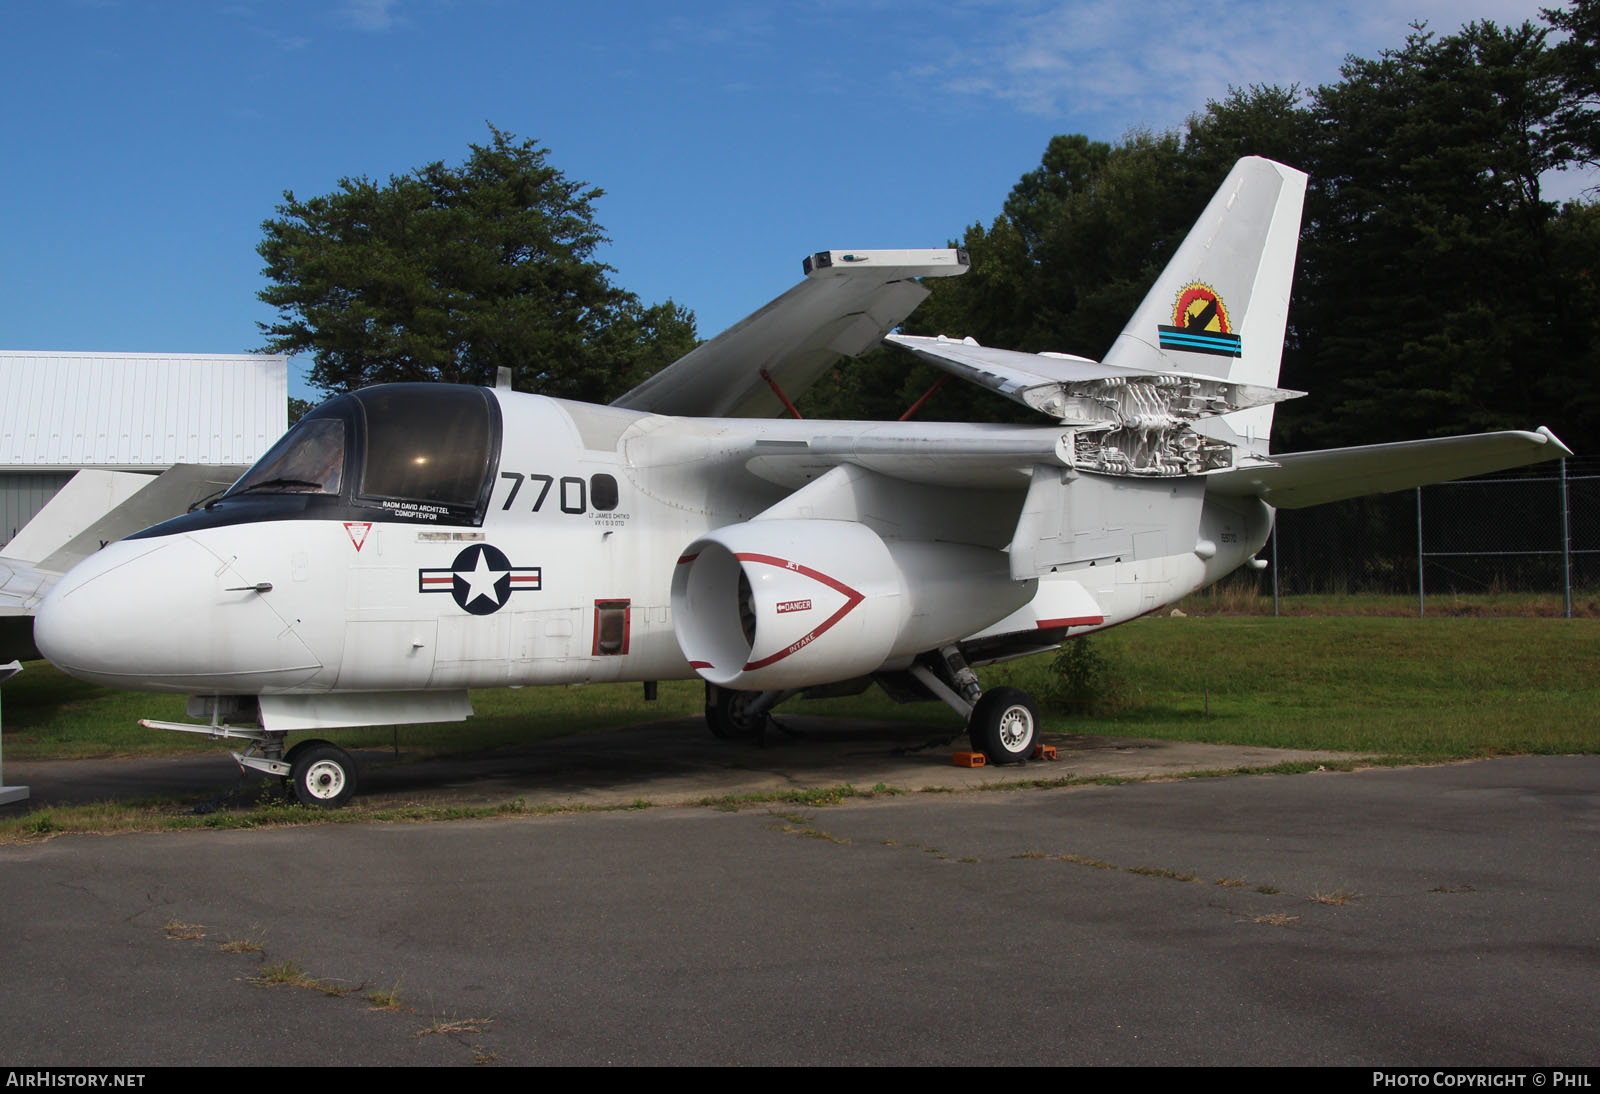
<point>669,762</point>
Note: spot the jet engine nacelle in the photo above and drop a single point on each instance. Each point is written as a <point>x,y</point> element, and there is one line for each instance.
<point>773,604</point>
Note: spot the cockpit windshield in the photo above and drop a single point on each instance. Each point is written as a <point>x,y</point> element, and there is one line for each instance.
<point>423,452</point>
<point>309,459</point>
<point>429,443</point>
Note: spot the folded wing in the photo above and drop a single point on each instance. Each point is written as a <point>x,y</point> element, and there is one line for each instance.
<point>847,303</point>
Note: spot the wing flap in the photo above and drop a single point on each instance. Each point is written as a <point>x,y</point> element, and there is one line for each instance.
<point>847,303</point>
<point>1299,479</point>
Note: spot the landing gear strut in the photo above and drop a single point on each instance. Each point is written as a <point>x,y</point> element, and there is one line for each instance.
<point>321,774</point>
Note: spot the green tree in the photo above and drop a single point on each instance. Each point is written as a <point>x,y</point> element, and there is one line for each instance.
<point>1078,243</point>
<point>1437,292</point>
<point>450,272</point>
<point>1432,301</point>
<point>1575,62</point>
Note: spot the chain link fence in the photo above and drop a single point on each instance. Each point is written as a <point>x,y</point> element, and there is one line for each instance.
<point>1532,531</point>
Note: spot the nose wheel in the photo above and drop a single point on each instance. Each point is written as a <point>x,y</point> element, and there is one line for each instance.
<point>321,774</point>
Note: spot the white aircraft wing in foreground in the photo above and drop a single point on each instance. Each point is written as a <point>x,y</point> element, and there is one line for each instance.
<point>1299,479</point>
<point>404,543</point>
<point>94,508</point>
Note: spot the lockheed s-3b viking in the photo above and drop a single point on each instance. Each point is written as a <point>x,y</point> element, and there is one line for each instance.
<point>404,543</point>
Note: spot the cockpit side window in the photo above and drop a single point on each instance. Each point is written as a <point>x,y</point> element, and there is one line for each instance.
<point>309,459</point>
<point>427,443</point>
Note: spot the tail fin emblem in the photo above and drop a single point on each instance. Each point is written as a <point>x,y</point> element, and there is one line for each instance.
<point>1200,324</point>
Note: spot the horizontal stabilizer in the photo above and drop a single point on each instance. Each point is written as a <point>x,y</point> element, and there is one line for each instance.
<point>847,303</point>
<point>1085,392</point>
<point>1299,479</point>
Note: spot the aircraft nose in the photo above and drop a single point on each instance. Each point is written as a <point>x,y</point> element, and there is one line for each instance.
<point>167,615</point>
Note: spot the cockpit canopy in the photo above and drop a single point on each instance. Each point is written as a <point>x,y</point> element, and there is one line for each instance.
<point>411,451</point>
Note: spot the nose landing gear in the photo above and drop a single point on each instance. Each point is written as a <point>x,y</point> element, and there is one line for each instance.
<point>321,774</point>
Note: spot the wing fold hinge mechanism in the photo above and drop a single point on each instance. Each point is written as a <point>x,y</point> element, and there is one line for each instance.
<point>1125,421</point>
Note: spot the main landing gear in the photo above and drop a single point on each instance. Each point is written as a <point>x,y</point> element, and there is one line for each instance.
<point>1002,723</point>
<point>737,715</point>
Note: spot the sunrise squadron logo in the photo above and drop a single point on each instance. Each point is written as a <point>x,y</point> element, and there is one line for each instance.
<point>1200,324</point>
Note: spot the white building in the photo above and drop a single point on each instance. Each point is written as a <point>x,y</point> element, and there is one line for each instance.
<point>60,412</point>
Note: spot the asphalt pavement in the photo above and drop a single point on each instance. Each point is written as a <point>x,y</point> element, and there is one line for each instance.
<point>664,763</point>
<point>1426,916</point>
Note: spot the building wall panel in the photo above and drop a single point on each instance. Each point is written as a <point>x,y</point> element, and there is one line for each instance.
<point>139,410</point>
<point>21,496</point>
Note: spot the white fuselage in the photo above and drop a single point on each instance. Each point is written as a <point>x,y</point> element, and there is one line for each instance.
<point>569,577</point>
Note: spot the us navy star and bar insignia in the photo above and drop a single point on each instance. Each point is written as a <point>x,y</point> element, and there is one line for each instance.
<point>1200,324</point>
<point>481,579</point>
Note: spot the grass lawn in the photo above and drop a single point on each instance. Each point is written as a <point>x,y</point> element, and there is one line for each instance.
<point>1434,688</point>
<point>1408,689</point>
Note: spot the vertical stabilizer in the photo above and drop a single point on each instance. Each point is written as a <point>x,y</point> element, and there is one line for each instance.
<point>1221,305</point>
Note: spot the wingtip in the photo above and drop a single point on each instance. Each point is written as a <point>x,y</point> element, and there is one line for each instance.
<point>1547,437</point>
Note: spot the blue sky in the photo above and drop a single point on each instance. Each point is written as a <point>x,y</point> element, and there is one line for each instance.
<point>143,143</point>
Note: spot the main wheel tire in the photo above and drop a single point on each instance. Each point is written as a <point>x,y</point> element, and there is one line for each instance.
<point>1004,725</point>
<point>323,775</point>
<point>726,719</point>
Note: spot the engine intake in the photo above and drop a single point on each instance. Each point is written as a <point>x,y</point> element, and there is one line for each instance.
<point>795,603</point>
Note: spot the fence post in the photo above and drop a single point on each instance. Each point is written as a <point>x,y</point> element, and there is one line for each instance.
<point>1275,518</point>
<point>1566,539</point>
<point>1421,602</point>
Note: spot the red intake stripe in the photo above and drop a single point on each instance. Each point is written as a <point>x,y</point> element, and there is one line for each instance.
<point>852,598</point>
